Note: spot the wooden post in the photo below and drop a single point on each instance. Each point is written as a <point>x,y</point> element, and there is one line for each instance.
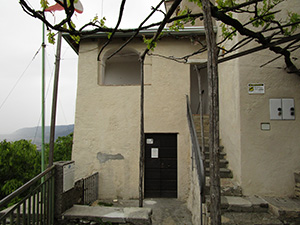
<point>212,71</point>
<point>54,100</point>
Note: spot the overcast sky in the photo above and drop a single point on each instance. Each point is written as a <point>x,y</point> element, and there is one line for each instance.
<point>20,61</point>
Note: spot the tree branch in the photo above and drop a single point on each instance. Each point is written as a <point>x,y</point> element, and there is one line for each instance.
<point>162,25</point>
<point>114,31</point>
<point>138,29</point>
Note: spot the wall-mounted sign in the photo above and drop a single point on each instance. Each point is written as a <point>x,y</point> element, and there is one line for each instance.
<point>154,153</point>
<point>265,126</point>
<point>68,176</point>
<point>256,88</point>
<point>149,141</point>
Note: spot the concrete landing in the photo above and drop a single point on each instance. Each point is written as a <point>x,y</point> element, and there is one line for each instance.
<point>286,209</point>
<point>242,204</point>
<point>165,211</point>
<point>131,215</point>
<point>249,219</point>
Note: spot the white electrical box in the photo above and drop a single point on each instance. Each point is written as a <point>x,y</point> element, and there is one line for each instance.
<point>288,109</point>
<point>275,109</point>
<point>282,109</point>
<point>68,176</point>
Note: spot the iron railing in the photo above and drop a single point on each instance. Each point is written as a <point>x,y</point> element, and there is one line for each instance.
<point>90,189</point>
<point>37,207</point>
<point>196,149</point>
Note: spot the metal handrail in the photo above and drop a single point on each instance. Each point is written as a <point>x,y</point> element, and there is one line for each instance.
<point>22,189</point>
<point>196,148</point>
<point>37,207</point>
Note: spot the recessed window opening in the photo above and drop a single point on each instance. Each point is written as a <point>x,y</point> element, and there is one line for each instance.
<point>122,69</point>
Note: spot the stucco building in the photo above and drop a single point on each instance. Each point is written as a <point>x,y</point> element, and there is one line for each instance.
<point>262,144</point>
<point>107,124</point>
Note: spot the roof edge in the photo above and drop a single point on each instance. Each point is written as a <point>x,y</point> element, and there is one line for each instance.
<point>150,32</point>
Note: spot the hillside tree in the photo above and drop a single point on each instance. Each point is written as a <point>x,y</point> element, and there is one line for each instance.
<point>20,162</point>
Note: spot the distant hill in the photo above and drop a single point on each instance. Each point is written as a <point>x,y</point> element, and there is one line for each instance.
<point>35,134</point>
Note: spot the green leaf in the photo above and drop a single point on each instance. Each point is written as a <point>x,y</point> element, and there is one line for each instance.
<point>44,4</point>
<point>76,38</point>
<point>51,37</point>
<point>150,43</point>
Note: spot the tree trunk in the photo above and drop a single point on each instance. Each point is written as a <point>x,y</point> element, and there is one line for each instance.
<point>142,138</point>
<point>212,71</point>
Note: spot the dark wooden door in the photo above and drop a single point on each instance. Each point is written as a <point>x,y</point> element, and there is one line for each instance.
<point>161,166</point>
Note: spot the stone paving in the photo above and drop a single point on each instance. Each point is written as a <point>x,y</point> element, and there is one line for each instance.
<point>165,211</point>
<point>116,215</point>
<point>236,211</point>
<point>239,218</point>
<point>286,209</point>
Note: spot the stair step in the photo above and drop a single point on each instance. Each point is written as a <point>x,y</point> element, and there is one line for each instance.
<point>242,204</point>
<point>221,147</point>
<point>222,163</point>
<point>222,155</point>
<point>228,187</point>
<point>115,215</point>
<point>249,219</point>
<point>224,173</point>
<point>286,209</point>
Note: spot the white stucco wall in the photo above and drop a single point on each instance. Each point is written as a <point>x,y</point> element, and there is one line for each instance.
<point>230,133</point>
<point>269,158</point>
<point>263,162</point>
<point>107,122</point>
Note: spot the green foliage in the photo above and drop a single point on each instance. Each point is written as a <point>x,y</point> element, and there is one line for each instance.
<point>20,162</point>
<point>44,4</point>
<point>225,3</point>
<point>62,148</point>
<point>264,16</point>
<point>51,38</point>
<point>150,43</point>
<point>198,2</point>
<point>179,24</point>
<point>293,19</point>
<point>76,38</point>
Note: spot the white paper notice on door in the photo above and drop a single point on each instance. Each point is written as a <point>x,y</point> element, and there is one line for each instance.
<point>149,141</point>
<point>154,153</point>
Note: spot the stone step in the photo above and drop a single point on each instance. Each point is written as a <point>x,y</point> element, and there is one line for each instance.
<point>206,135</point>
<point>285,209</point>
<point>242,204</point>
<point>222,155</point>
<point>223,163</point>
<point>224,173</point>
<point>228,187</point>
<point>206,140</point>
<point>118,215</point>
<point>243,218</point>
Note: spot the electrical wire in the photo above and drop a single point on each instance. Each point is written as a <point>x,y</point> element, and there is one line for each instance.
<point>20,77</point>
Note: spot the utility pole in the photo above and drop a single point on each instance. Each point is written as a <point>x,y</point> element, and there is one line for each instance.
<point>54,99</point>
<point>43,101</point>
